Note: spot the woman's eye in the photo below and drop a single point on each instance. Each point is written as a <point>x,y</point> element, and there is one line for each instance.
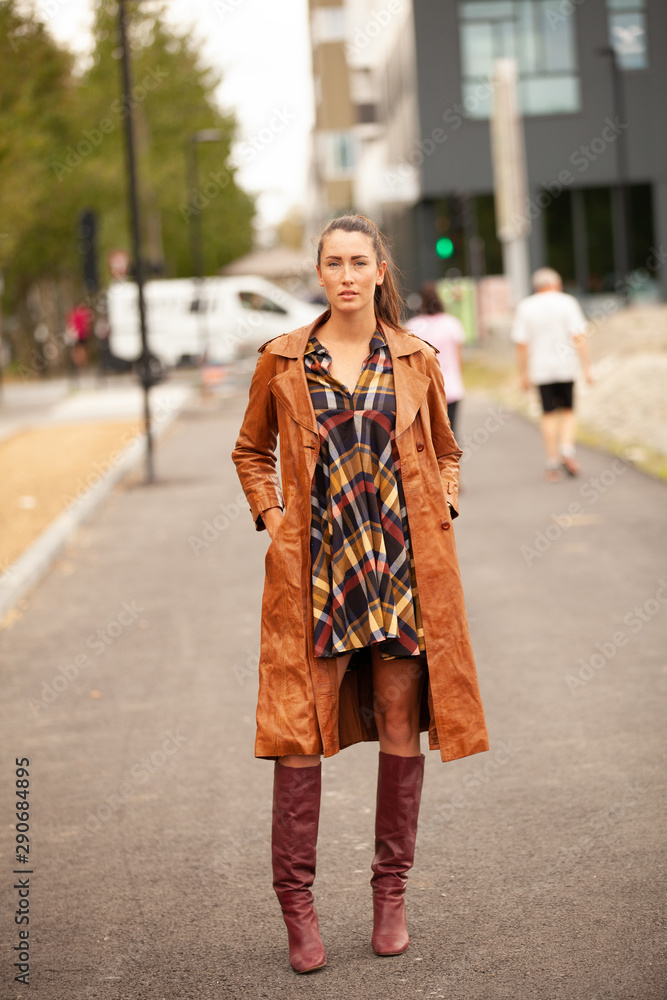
<point>362,262</point>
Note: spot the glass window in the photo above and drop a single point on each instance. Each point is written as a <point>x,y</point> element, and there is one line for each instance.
<point>476,100</point>
<point>328,25</point>
<point>558,38</point>
<point>337,154</point>
<point>476,49</point>
<point>259,303</point>
<point>549,95</point>
<point>487,10</point>
<point>538,36</point>
<point>627,37</point>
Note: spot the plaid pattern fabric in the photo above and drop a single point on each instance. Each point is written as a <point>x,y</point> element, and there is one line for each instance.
<point>364,585</point>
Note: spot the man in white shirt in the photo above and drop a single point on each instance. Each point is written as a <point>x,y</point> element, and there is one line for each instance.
<point>549,331</point>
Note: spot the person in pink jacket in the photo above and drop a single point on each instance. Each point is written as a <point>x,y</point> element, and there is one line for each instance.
<point>446,334</point>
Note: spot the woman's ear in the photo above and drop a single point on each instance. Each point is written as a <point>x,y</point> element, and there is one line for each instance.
<point>319,275</point>
<point>381,270</point>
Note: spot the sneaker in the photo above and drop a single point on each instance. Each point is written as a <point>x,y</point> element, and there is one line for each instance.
<point>570,465</point>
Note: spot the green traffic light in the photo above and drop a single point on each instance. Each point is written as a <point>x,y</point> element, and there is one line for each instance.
<point>444,247</point>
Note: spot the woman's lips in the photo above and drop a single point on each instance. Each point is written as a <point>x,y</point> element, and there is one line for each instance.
<point>347,295</point>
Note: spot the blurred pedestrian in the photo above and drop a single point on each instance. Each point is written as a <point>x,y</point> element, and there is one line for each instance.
<point>444,332</point>
<point>549,331</point>
<point>364,633</point>
<point>79,326</point>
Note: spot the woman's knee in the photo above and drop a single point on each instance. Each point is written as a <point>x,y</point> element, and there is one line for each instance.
<point>398,725</point>
<point>299,760</point>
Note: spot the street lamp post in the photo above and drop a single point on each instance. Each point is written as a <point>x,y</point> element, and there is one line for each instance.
<point>196,229</point>
<point>621,216</point>
<point>135,221</point>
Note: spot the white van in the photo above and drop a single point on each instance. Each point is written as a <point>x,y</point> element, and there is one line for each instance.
<point>219,320</point>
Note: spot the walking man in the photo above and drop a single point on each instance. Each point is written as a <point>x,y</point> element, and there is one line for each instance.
<point>549,331</point>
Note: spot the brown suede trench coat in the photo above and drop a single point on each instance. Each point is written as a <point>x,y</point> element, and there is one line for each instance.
<point>300,710</point>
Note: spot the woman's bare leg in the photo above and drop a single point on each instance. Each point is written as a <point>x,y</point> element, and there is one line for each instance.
<point>397,690</point>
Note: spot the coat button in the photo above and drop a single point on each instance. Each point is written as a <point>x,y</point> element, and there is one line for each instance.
<point>445,525</point>
<point>420,446</point>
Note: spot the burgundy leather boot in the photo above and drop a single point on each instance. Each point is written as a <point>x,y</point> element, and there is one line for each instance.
<point>399,793</point>
<point>296,815</point>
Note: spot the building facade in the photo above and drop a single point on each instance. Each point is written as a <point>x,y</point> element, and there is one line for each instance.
<point>592,89</point>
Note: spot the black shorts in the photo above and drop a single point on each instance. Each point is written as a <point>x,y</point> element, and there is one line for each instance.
<point>556,396</point>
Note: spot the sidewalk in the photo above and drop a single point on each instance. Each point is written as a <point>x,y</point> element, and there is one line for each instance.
<point>625,409</point>
<point>59,443</point>
<point>130,683</point>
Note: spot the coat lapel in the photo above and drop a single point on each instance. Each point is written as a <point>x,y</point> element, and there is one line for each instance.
<point>291,389</point>
<point>410,385</point>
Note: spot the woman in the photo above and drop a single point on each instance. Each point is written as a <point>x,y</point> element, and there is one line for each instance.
<point>447,335</point>
<point>360,519</point>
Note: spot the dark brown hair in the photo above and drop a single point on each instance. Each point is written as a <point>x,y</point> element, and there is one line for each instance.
<point>388,302</point>
<point>431,303</point>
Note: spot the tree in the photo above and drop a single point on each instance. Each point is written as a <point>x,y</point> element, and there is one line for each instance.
<point>62,151</point>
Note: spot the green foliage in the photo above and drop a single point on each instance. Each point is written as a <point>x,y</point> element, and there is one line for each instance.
<point>62,149</point>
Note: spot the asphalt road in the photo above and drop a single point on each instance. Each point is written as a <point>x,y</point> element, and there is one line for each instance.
<point>129,681</point>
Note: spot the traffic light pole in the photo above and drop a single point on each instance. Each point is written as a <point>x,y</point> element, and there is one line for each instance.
<point>135,220</point>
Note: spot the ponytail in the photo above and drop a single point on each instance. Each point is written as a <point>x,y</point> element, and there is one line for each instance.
<point>388,302</point>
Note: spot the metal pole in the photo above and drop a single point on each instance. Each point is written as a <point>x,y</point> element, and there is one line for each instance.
<point>620,205</point>
<point>623,213</point>
<point>197,244</point>
<point>135,221</point>
<point>196,236</point>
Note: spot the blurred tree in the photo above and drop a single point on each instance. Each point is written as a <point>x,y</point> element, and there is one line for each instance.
<point>35,113</point>
<point>62,151</point>
<point>173,97</point>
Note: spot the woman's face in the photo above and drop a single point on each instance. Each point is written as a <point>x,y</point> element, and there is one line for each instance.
<point>348,271</point>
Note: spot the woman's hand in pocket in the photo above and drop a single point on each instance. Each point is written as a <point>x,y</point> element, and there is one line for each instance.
<point>272,519</point>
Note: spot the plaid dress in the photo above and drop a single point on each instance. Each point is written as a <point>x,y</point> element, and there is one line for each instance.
<point>363,580</point>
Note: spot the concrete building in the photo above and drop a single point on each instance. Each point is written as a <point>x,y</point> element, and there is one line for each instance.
<point>333,153</point>
<point>592,88</point>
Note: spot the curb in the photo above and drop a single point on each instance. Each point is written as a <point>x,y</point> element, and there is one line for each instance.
<point>37,559</point>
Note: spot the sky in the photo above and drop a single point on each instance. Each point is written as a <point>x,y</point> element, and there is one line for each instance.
<point>262,49</point>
